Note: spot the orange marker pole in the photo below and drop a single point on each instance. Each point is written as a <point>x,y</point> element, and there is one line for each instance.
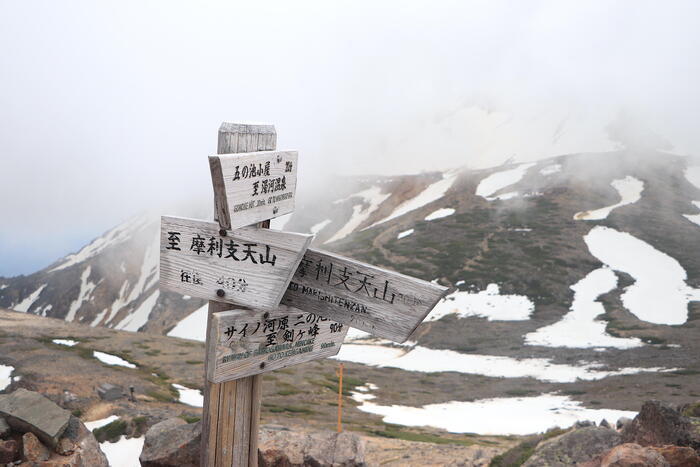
<point>340,398</point>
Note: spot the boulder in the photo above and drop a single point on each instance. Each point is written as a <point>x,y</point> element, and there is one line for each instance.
<point>679,456</point>
<point>574,447</point>
<point>109,392</point>
<point>33,450</point>
<point>310,449</point>
<point>85,448</point>
<point>659,424</point>
<point>8,451</point>
<point>633,455</point>
<point>4,428</point>
<point>623,422</point>
<point>583,423</point>
<point>172,442</point>
<point>30,412</point>
<point>605,424</point>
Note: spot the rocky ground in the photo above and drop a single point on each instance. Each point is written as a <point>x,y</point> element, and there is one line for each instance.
<point>301,398</point>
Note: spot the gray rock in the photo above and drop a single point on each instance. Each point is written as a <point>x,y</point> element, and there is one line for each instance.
<point>33,450</point>
<point>310,449</point>
<point>658,424</point>
<point>172,443</point>
<point>4,428</point>
<point>632,455</point>
<point>86,449</point>
<point>574,447</point>
<point>110,392</point>
<point>583,423</point>
<point>30,412</point>
<point>623,422</point>
<point>605,424</point>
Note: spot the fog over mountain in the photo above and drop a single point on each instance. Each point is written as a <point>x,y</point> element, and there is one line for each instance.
<point>106,110</point>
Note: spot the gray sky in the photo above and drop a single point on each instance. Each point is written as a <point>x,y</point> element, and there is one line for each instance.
<point>108,107</point>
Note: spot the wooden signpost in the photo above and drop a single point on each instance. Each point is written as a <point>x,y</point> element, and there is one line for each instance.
<point>301,301</point>
<point>253,187</point>
<point>245,344</point>
<point>384,303</point>
<point>247,266</point>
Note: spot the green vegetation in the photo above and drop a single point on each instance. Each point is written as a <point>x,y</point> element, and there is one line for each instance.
<point>519,454</point>
<point>396,432</point>
<point>194,362</point>
<point>292,409</point>
<point>190,418</point>
<point>111,432</point>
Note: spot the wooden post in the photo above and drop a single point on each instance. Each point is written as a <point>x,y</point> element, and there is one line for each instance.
<point>340,397</point>
<point>231,414</point>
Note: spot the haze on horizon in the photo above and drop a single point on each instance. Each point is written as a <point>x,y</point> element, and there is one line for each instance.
<point>109,108</point>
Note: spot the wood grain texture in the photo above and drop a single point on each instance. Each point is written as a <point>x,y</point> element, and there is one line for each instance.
<point>205,261</point>
<point>219,439</point>
<point>382,302</point>
<point>244,343</point>
<point>252,187</point>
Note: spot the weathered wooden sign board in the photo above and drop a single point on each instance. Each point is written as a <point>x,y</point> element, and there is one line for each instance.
<point>245,343</point>
<point>384,303</point>
<point>248,266</point>
<point>252,187</point>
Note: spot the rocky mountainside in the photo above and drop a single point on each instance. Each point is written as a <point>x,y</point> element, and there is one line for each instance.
<point>582,269</point>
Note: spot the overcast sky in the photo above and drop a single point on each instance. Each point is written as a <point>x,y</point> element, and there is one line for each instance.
<point>108,107</point>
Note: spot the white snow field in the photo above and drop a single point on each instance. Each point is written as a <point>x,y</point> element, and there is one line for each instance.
<point>5,378</point>
<point>487,303</point>
<point>316,228</point>
<point>100,423</point>
<point>425,360</point>
<point>139,317</point>
<point>86,288</point>
<point>439,214</point>
<point>405,233</point>
<point>659,294</point>
<point>25,304</point>
<point>693,176</point>
<point>432,192</point>
<point>123,453</point>
<point>630,191</point>
<point>190,396</point>
<point>550,169</point>
<point>66,342</point>
<point>110,359</point>
<point>193,327</point>
<point>501,416</point>
<point>372,198</point>
<point>499,180</point>
<point>579,328</point>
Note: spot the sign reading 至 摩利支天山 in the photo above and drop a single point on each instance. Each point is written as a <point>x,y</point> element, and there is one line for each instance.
<point>247,266</point>
<point>245,343</point>
<point>253,187</point>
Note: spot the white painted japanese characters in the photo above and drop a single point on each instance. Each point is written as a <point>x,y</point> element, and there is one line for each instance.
<point>384,303</point>
<point>252,187</point>
<point>248,266</point>
<point>244,343</point>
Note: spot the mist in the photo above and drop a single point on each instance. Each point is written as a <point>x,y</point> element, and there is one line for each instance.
<point>110,108</point>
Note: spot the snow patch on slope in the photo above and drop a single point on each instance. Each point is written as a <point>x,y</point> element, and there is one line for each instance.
<point>193,327</point>
<point>86,288</point>
<point>140,316</point>
<point>5,376</point>
<point>372,196</point>
<point>425,360</point>
<point>316,228</point>
<point>189,396</point>
<point>25,304</point>
<point>550,170</point>
<point>499,180</point>
<point>109,359</point>
<point>579,328</point>
<point>499,416</point>
<point>488,304</point>
<point>432,192</point>
<point>439,214</point>
<point>405,233</point>
<point>659,294</point>
<point>630,190</point>
<point>123,453</point>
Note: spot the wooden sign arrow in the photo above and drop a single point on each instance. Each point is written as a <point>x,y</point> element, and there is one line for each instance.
<point>245,343</point>
<point>252,187</point>
<point>248,266</point>
<point>384,303</point>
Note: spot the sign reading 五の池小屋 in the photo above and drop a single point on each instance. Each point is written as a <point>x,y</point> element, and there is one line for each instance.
<point>248,266</point>
<point>384,303</point>
<point>244,343</point>
<point>252,187</point>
